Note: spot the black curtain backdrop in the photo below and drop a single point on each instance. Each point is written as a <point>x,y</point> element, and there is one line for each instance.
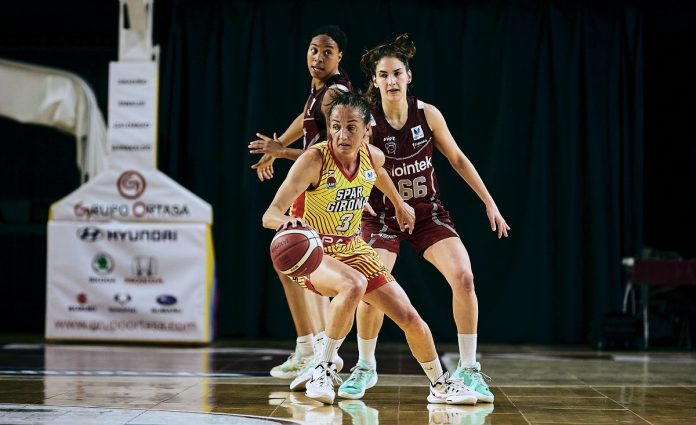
<point>544,97</point>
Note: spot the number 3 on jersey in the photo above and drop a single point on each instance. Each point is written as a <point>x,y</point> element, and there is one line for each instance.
<point>415,188</point>
<point>345,222</point>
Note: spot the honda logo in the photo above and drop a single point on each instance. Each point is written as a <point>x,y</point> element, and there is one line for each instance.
<point>144,266</point>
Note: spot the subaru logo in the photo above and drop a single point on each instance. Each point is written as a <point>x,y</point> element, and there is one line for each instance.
<point>90,234</point>
<point>166,300</point>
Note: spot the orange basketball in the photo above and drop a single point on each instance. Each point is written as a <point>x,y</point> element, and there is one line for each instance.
<point>296,251</point>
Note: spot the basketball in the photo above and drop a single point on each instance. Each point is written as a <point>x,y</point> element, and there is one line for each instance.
<point>296,251</point>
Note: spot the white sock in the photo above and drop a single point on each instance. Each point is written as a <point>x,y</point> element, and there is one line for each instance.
<point>303,346</point>
<point>330,349</point>
<point>317,342</point>
<point>366,351</point>
<point>467,349</point>
<point>433,369</point>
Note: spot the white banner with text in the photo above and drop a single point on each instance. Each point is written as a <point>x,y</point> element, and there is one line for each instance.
<point>129,281</point>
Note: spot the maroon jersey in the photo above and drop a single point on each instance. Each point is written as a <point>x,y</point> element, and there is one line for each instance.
<point>314,123</point>
<point>408,154</point>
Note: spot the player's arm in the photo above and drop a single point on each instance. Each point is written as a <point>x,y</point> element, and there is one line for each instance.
<point>405,215</point>
<point>293,132</point>
<point>304,173</point>
<point>277,146</point>
<point>446,144</point>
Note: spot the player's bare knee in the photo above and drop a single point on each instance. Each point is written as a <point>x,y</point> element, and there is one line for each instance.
<point>355,285</point>
<point>463,283</point>
<point>411,321</point>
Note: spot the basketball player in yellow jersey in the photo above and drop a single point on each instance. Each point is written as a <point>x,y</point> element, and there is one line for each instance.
<point>336,178</point>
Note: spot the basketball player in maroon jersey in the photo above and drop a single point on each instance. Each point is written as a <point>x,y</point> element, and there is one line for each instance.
<point>406,130</point>
<point>308,310</point>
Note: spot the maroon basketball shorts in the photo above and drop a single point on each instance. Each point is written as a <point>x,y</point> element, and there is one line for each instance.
<point>433,224</point>
<point>361,257</point>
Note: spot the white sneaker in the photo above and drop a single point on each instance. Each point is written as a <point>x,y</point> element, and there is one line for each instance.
<point>291,367</point>
<point>299,383</point>
<point>338,361</point>
<point>321,386</point>
<point>450,391</point>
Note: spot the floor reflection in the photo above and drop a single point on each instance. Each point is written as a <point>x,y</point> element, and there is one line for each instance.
<point>461,415</point>
<point>85,384</point>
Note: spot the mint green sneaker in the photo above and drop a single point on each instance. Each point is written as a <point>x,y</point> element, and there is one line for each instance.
<point>290,367</point>
<point>362,377</point>
<point>475,380</point>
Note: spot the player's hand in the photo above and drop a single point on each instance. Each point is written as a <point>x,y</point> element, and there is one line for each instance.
<point>264,168</point>
<point>292,222</point>
<point>266,145</point>
<point>406,217</point>
<point>497,221</point>
<point>369,209</point>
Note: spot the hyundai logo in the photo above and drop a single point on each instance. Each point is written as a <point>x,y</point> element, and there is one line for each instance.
<point>90,234</point>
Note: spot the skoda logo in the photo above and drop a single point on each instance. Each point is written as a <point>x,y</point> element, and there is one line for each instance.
<point>102,263</point>
<point>90,234</point>
<point>166,300</point>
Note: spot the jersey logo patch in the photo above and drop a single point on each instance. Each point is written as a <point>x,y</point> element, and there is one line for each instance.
<point>417,132</point>
<point>416,145</point>
<point>390,147</point>
<point>370,175</point>
<point>331,180</point>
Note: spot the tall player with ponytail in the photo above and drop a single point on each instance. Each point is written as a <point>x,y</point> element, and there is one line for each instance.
<point>408,130</point>
<point>308,310</point>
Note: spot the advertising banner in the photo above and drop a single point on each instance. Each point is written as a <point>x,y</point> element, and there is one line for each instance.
<point>132,195</point>
<point>129,281</point>
<point>130,252</point>
<point>132,114</point>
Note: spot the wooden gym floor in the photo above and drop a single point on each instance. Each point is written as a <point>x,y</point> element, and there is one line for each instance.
<point>228,383</point>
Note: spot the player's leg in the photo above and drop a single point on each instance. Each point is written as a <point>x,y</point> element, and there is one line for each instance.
<point>304,326</point>
<point>451,258</point>
<point>346,286</point>
<point>318,310</point>
<point>393,301</point>
<point>369,321</point>
<point>317,307</point>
